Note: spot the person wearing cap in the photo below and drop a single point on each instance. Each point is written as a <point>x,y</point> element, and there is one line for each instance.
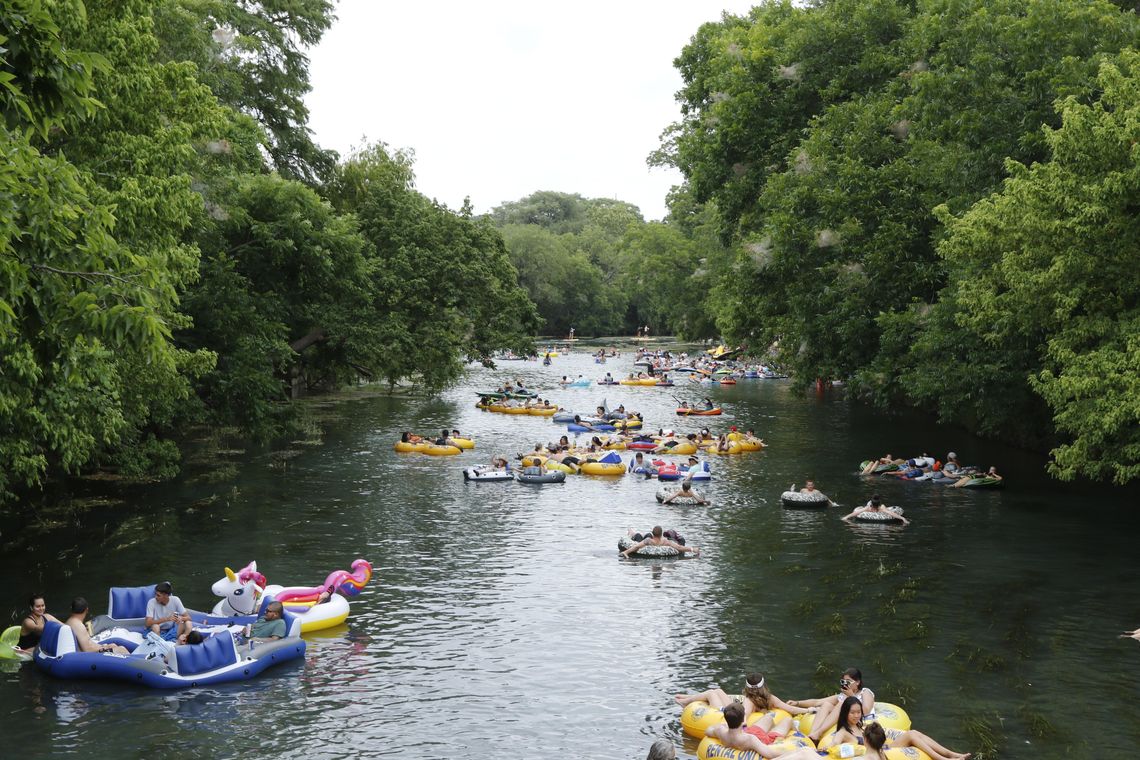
<point>166,615</point>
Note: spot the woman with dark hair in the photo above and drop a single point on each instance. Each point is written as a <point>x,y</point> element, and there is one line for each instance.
<point>850,731</point>
<point>32,624</point>
<point>827,708</point>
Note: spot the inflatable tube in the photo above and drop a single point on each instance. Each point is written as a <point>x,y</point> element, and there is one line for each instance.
<point>563,417</point>
<point>891,515</point>
<point>699,716</point>
<point>618,445</point>
<point>432,450</point>
<point>535,476</point>
<point>542,411</point>
<point>665,493</point>
<point>797,500</point>
<point>405,448</point>
<point>751,445</point>
<point>891,717</point>
<point>983,482</point>
<point>667,472</point>
<point>602,428</point>
<point>699,412</point>
<point>733,448</point>
<point>683,449</point>
<point>648,551</point>
<point>485,474</point>
<point>879,469</point>
<point>554,466</point>
<point>314,617</point>
<point>611,382</point>
<point>711,749</point>
<point>633,424</point>
<point>9,645</point>
<point>462,443</point>
<point>602,468</point>
<point>641,445</point>
<point>627,381</point>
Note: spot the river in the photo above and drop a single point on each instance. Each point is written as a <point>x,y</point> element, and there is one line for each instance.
<point>501,623</point>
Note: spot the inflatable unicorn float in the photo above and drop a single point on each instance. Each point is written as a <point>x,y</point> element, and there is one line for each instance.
<point>318,607</point>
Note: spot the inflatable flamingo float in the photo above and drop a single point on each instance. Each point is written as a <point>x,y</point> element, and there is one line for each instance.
<point>243,591</point>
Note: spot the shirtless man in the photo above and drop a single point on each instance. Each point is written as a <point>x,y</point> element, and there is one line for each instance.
<point>83,641</point>
<point>686,491</point>
<point>658,539</point>
<point>730,734</point>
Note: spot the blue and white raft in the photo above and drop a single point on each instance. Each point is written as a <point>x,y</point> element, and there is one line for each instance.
<point>223,656</point>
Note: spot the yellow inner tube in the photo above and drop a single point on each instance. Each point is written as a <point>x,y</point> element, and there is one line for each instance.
<point>682,448</point>
<point>711,749</point>
<point>542,411</point>
<point>408,447</point>
<point>601,468</point>
<point>442,451</point>
<point>463,443</point>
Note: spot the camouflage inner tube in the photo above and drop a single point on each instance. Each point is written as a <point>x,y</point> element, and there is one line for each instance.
<point>665,493</point>
<point>647,551</point>
<point>888,515</point>
<point>797,500</point>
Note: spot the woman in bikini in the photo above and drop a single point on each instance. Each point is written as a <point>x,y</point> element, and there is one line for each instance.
<point>32,625</point>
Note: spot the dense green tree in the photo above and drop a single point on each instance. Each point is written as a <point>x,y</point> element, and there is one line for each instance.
<point>251,54</point>
<point>1045,291</point>
<point>282,300</point>
<point>444,286</point>
<point>88,290</point>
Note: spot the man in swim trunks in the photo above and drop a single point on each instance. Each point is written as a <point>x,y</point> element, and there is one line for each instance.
<point>731,735</point>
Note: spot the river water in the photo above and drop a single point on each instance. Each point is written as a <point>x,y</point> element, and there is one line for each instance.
<point>501,623</point>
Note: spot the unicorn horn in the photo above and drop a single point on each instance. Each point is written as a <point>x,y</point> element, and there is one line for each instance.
<point>230,574</point>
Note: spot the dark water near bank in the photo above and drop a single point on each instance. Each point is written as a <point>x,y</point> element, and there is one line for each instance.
<point>500,622</point>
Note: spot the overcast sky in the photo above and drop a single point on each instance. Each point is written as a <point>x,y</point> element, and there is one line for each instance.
<point>500,99</point>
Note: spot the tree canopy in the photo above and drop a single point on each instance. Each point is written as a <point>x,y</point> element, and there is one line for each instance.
<point>852,150</point>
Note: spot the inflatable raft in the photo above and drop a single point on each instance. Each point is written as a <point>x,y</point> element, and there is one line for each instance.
<point>221,658</point>
<point>689,412</point>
